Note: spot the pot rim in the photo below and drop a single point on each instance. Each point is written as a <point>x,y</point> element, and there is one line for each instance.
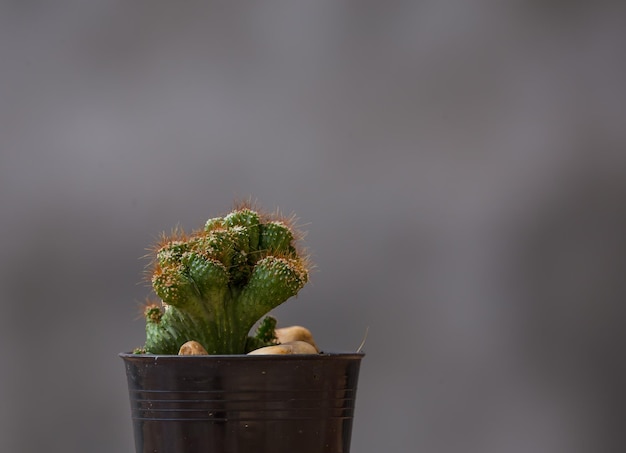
<point>217,357</point>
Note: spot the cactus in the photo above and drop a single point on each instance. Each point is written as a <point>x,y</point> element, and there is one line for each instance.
<point>218,282</point>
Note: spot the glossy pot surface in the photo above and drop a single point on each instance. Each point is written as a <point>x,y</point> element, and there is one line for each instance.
<point>237,404</point>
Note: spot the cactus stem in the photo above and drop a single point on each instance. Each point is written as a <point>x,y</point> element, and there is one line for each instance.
<point>217,282</point>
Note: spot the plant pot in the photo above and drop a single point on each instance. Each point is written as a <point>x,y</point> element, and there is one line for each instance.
<point>237,404</point>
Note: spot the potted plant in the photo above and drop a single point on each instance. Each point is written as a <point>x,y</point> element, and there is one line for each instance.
<point>202,383</point>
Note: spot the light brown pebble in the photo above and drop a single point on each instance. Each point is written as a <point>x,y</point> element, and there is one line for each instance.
<point>192,348</point>
<point>295,333</point>
<point>292,347</point>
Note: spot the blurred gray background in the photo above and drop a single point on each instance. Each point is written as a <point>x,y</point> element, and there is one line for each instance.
<point>460,168</point>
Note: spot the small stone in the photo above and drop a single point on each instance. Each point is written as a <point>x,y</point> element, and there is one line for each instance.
<point>293,347</point>
<point>295,333</point>
<point>192,348</point>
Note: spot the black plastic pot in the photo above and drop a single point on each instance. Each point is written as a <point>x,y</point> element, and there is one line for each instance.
<point>242,404</point>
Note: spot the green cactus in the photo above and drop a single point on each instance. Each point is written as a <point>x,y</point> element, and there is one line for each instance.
<point>217,283</point>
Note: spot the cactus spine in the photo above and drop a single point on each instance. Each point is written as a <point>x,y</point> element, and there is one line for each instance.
<point>216,283</point>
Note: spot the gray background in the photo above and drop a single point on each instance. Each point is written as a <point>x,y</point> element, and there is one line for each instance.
<point>460,168</point>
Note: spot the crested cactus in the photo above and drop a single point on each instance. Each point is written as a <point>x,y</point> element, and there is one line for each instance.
<point>216,283</point>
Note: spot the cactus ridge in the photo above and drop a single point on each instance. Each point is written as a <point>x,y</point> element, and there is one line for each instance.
<point>219,281</point>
